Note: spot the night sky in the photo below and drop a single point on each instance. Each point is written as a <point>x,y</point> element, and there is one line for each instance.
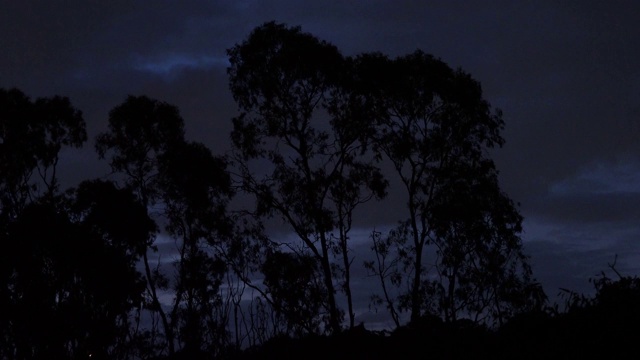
<point>566,75</point>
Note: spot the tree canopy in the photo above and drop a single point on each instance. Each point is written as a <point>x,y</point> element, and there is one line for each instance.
<point>319,139</point>
<point>327,123</point>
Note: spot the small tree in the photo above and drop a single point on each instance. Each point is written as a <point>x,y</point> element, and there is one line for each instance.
<point>32,134</point>
<point>481,269</point>
<point>295,292</point>
<point>118,221</point>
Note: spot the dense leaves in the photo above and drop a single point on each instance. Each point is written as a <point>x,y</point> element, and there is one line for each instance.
<point>292,283</point>
<point>32,135</point>
<point>140,130</point>
<point>70,290</point>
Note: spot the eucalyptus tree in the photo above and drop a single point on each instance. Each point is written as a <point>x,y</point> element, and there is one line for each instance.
<point>120,225</point>
<point>140,131</point>
<point>297,150</point>
<point>195,189</point>
<point>481,269</point>
<point>435,128</point>
<point>188,189</point>
<point>32,135</point>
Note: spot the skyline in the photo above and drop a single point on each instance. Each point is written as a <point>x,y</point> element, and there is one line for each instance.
<point>564,75</point>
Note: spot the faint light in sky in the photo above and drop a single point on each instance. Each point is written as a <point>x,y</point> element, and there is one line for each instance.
<point>601,179</point>
<point>168,63</point>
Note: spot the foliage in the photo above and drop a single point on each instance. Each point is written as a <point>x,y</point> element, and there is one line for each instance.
<point>140,130</point>
<point>32,134</point>
<point>190,188</point>
<point>292,283</point>
<point>297,119</point>
<point>315,129</point>
<point>61,304</point>
<point>481,268</point>
<point>434,127</point>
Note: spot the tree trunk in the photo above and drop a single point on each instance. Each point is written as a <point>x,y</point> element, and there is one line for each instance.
<point>417,264</point>
<point>165,323</point>
<point>334,316</point>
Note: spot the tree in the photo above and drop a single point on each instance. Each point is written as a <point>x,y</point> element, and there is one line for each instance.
<point>63,305</point>
<point>32,135</point>
<point>196,188</point>
<point>294,118</point>
<point>190,189</point>
<point>292,282</point>
<point>435,128</point>
<point>357,179</point>
<point>140,131</point>
<point>120,223</point>
<point>481,269</point>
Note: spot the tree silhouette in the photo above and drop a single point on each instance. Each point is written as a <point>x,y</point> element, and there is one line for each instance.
<point>294,118</point>
<point>435,128</point>
<point>31,137</point>
<point>72,279</point>
<point>140,131</point>
<point>482,270</point>
<point>315,118</point>
<point>292,282</point>
<point>34,273</point>
<point>314,130</point>
<point>123,225</point>
<point>195,189</point>
<point>190,189</point>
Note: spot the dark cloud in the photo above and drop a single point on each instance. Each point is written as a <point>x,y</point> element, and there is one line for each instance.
<point>613,209</point>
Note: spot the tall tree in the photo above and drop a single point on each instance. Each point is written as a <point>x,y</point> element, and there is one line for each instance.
<point>189,189</point>
<point>140,131</point>
<point>32,134</point>
<point>356,179</point>
<point>435,128</point>
<point>196,188</point>
<point>287,85</point>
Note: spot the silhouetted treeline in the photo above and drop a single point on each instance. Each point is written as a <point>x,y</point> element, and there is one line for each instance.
<point>603,326</point>
<point>81,273</point>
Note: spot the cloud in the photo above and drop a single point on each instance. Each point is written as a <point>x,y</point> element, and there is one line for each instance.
<point>172,63</point>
